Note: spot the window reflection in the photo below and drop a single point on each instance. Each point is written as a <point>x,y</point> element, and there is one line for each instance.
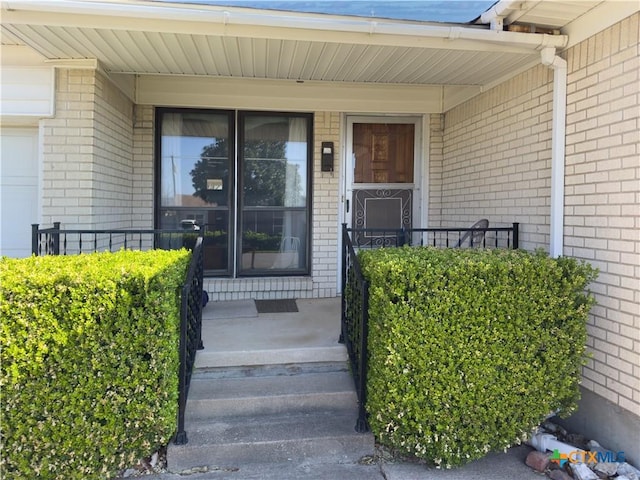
<point>251,202</point>
<point>195,160</point>
<point>275,154</point>
<point>275,161</point>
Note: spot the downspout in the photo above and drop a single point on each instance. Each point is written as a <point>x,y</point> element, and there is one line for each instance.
<point>495,15</point>
<point>550,59</point>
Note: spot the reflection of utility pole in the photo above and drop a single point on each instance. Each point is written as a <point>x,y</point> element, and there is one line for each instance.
<point>173,176</point>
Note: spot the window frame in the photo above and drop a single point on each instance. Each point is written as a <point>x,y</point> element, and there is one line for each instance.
<point>235,207</point>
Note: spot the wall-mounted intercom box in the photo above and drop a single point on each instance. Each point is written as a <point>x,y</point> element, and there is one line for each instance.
<point>326,164</point>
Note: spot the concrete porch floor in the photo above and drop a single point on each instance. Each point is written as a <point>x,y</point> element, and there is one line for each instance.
<point>235,334</point>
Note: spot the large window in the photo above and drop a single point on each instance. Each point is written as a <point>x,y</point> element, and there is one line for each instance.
<point>253,203</point>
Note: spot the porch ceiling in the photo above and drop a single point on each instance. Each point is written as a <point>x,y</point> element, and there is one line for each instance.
<point>180,39</point>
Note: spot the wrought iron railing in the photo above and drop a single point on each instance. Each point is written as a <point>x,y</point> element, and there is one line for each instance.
<point>480,237</point>
<point>190,332</point>
<point>55,241</point>
<point>354,324</point>
<point>355,287</point>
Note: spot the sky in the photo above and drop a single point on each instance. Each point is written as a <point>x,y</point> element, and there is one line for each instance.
<point>450,11</point>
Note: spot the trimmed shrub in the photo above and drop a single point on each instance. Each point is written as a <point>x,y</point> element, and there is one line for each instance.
<point>89,364</point>
<point>469,350</point>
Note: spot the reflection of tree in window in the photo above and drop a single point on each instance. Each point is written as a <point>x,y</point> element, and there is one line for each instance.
<point>268,178</point>
<point>264,173</point>
<point>213,165</point>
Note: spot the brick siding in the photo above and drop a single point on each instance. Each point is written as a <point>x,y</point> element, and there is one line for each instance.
<point>602,201</point>
<point>87,165</point>
<point>497,158</point>
<point>496,164</point>
<point>143,167</point>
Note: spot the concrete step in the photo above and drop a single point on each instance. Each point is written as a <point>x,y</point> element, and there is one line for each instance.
<point>211,358</point>
<point>312,438</point>
<point>277,389</point>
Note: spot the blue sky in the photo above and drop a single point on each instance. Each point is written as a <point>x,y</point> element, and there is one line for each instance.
<point>454,11</point>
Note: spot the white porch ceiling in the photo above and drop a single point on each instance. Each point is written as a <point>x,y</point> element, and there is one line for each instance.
<point>158,38</point>
<point>145,52</point>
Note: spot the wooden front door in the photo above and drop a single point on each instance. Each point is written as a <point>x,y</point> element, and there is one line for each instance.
<point>383,153</point>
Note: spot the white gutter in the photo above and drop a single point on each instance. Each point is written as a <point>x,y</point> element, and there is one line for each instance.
<point>495,15</point>
<point>549,58</point>
<point>264,18</point>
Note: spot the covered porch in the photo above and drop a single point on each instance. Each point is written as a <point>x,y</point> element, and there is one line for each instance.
<point>486,100</point>
<point>335,73</point>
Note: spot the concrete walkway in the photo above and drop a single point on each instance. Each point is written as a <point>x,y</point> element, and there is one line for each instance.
<point>495,466</point>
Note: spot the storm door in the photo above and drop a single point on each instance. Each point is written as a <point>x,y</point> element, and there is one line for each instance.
<point>380,179</point>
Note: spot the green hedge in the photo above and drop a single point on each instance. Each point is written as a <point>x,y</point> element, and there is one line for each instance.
<point>89,361</point>
<point>469,350</point>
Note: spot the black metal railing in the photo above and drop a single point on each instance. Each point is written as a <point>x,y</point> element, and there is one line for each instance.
<point>190,332</point>
<point>469,237</point>
<point>354,324</point>
<point>355,287</point>
<point>56,241</point>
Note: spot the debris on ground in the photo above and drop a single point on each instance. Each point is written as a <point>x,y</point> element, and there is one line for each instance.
<point>586,460</point>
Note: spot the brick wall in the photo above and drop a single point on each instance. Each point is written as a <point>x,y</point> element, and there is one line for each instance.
<point>435,148</point>
<point>326,195</point>
<point>602,201</point>
<point>496,164</point>
<point>67,176</point>
<point>112,156</point>
<point>87,146</point>
<point>497,158</point>
<point>143,167</point>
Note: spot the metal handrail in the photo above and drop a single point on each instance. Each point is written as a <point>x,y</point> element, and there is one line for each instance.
<point>190,333</point>
<point>55,241</point>
<point>354,323</point>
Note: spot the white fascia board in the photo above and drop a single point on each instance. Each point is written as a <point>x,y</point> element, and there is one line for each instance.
<point>599,18</point>
<point>209,20</point>
<point>76,63</point>
<point>236,93</point>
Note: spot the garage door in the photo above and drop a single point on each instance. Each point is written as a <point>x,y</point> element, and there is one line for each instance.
<point>18,190</point>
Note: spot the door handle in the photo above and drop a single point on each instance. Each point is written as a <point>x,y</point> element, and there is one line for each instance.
<point>347,205</point>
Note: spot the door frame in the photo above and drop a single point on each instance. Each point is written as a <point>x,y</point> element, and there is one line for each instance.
<point>346,189</point>
<point>420,170</point>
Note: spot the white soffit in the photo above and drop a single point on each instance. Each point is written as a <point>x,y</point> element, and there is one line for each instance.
<point>577,19</point>
<point>171,39</point>
<point>549,14</point>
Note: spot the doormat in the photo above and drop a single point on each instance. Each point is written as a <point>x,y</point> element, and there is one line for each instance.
<point>276,306</point>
